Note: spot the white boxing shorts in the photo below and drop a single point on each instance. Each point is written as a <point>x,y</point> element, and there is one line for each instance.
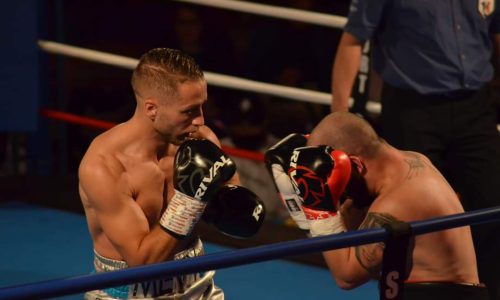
<point>198,286</point>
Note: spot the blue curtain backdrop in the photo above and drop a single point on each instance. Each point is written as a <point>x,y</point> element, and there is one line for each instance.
<point>19,66</point>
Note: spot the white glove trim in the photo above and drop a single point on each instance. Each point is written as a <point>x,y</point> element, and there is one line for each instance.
<point>182,214</point>
<point>289,197</point>
<point>324,222</point>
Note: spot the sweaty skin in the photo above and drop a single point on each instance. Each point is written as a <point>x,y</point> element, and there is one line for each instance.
<point>395,185</point>
<point>408,188</point>
<point>126,178</point>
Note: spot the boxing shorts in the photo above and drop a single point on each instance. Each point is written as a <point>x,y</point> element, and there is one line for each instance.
<point>445,290</point>
<point>199,286</point>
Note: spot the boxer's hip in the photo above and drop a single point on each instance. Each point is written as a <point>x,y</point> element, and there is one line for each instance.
<point>444,290</point>
<point>190,286</point>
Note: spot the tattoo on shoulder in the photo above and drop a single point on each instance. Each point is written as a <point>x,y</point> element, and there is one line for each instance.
<point>370,256</point>
<point>415,163</point>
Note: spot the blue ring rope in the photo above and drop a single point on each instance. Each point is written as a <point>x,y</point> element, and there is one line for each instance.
<point>78,284</point>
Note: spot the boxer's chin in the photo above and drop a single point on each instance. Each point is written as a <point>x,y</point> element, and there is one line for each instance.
<point>182,138</point>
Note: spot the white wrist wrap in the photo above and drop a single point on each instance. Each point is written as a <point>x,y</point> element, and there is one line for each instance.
<point>326,223</point>
<point>182,214</point>
<point>291,200</point>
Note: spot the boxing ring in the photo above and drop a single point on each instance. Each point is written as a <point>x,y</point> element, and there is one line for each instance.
<point>226,259</point>
<point>231,258</point>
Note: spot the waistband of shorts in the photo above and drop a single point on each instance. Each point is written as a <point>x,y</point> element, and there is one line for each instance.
<point>445,290</point>
<point>445,283</point>
<point>196,250</point>
<point>104,264</point>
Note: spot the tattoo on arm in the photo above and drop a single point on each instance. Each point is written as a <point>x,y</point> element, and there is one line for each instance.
<point>369,256</point>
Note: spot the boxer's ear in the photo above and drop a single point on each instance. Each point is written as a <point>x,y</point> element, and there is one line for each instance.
<point>358,163</point>
<point>151,108</point>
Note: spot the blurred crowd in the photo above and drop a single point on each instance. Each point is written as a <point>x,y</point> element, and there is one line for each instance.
<point>222,41</point>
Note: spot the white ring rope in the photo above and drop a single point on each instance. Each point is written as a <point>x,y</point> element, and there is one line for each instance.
<point>226,80</point>
<point>88,54</point>
<point>275,11</point>
<point>289,14</point>
<point>212,78</point>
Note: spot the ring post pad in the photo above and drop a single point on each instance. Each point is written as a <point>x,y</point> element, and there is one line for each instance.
<point>397,260</point>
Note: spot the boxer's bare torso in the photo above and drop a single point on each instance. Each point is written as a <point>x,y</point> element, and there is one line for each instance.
<point>412,190</point>
<point>138,186</point>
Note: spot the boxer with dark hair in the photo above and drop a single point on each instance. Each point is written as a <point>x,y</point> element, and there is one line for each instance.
<point>346,177</point>
<point>145,183</point>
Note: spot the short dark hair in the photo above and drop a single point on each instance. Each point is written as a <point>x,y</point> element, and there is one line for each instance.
<point>160,70</point>
<point>347,132</point>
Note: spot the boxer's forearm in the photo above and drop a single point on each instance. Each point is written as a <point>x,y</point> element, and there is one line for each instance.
<point>345,268</point>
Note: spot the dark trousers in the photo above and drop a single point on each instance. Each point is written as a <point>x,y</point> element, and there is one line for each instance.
<point>458,133</point>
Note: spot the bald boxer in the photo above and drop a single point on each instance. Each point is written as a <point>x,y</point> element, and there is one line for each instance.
<point>145,183</point>
<point>348,178</point>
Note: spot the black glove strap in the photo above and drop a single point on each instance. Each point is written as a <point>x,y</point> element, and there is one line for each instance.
<point>397,260</point>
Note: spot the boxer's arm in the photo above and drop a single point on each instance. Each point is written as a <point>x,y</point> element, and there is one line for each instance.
<point>354,266</point>
<point>351,215</point>
<point>120,217</point>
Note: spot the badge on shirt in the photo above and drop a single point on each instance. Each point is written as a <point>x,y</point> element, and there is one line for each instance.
<point>485,7</point>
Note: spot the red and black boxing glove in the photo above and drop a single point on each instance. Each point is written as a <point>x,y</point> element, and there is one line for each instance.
<point>321,174</point>
<point>277,161</point>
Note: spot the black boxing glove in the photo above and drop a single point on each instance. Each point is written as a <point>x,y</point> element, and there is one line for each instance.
<point>235,211</point>
<point>277,161</point>
<point>200,168</point>
<point>320,175</point>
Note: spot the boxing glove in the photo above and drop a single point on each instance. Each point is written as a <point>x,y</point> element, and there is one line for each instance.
<point>235,211</point>
<point>200,169</point>
<point>320,176</point>
<point>277,160</point>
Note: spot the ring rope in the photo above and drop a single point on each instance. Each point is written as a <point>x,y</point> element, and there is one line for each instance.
<point>275,11</point>
<point>225,259</point>
<point>75,119</point>
<point>99,124</point>
<point>212,78</point>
